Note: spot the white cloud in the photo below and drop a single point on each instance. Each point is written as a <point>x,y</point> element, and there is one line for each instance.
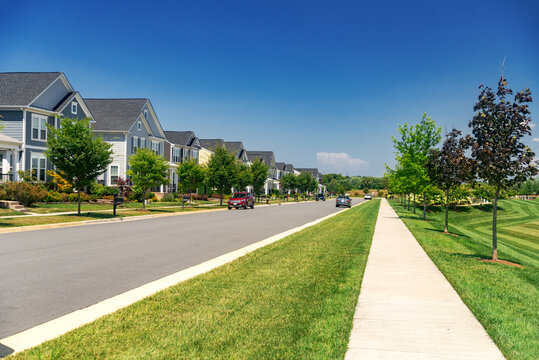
<point>532,125</point>
<point>535,139</point>
<point>340,162</point>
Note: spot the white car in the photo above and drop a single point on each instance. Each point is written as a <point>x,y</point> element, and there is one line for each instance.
<point>368,197</point>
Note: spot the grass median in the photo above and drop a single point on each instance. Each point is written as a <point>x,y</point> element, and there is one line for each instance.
<point>503,298</point>
<point>291,299</point>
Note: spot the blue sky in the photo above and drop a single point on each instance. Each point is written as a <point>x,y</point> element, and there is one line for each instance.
<point>300,78</point>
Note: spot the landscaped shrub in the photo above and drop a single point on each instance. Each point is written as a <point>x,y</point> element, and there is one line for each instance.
<point>101,190</point>
<point>3,194</point>
<point>53,196</point>
<point>73,197</point>
<point>168,197</point>
<point>205,197</point>
<point>25,193</point>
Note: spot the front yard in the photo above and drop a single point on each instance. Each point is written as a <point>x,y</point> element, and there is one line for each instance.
<point>292,299</point>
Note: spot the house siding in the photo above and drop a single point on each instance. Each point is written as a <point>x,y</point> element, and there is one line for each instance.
<point>12,122</point>
<point>29,141</point>
<point>66,112</point>
<point>151,121</point>
<point>51,96</point>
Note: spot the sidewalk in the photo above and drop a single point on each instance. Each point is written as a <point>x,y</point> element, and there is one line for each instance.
<point>407,309</point>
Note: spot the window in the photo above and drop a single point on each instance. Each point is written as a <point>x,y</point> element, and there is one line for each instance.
<point>155,147</point>
<point>113,174</point>
<point>139,125</point>
<point>146,114</point>
<point>38,166</point>
<point>143,143</point>
<point>39,127</point>
<point>195,154</point>
<point>135,144</point>
<point>74,108</point>
<point>176,155</point>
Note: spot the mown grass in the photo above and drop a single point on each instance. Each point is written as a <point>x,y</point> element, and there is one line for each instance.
<point>89,215</point>
<point>505,299</point>
<point>47,208</point>
<point>294,299</point>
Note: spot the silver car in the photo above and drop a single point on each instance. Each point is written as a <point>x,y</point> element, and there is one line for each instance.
<point>343,201</point>
<point>368,197</point>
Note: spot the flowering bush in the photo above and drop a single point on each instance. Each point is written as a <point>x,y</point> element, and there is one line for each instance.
<point>25,193</point>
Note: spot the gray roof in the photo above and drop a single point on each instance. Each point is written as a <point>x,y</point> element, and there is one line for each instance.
<point>234,146</point>
<point>115,114</point>
<point>184,138</point>
<point>280,165</point>
<point>266,156</point>
<point>313,171</point>
<point>211,144</point>
<point>20,88</point>
<point>289,168</point>
<point>63,103</point>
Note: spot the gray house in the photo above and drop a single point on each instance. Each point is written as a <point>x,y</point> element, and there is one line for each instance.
<point>180,146</point>
<point>233,147</point>
<point>268,158</point>
<point>29,101</point>
<point>127,124</point>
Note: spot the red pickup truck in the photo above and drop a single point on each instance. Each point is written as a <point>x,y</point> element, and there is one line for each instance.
<point>241,200</point>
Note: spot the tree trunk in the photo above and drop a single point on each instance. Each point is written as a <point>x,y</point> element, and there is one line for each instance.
<point>221,191</point>
<point>446,230</point>
<point>414,203</point>
<point>190,198</point>
<point>494,223</point>
<point>78,199</point>
<point>424,206</point>
<point>144,200</point>
<point>408,208</point>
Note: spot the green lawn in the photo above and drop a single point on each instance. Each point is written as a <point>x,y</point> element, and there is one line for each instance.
<point>293,299</point>
<point>47,208</point>
<point>505,299</point>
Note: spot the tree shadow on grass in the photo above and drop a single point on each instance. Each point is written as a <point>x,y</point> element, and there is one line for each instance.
<point>92,215</point>
<point>450,233</point>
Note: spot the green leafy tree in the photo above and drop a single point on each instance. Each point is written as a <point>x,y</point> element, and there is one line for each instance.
<point>502,160</point>
<point>221,173</point>
<point>190,176</point>
<point>288,182</point>
<point>243,177</point>
<point>77,153</point>
<point>147,170</point>
<point>259,174</point>
<point>450,167</point>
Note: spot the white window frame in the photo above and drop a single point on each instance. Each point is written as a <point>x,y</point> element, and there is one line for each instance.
<point>110,173</point>
<point>139,125</point>
<point>74,108</point>
<point>39,119</point>
<point>134,145</point>
<point>38,156</point>
<point>143,143</point>
<point>155,147</point>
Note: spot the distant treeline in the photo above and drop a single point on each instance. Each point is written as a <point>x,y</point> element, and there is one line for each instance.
<point>338,184</point>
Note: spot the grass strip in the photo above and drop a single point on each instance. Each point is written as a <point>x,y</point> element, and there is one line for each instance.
<point>293,299</point>
<point>503,298</point>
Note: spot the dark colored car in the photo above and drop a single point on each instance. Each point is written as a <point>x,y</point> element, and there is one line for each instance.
<point>241,200</point>
<point>343,201</point>
<point>320,197</point>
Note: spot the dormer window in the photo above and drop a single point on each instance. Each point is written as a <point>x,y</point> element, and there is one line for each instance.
<point>74,108</point>
<point>139,125</point>
<point>146,114</point>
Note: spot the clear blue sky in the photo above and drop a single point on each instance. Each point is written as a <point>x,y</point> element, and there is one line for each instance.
<point>295,77</point>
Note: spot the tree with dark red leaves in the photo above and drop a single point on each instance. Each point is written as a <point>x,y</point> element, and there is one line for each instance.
<point>449,166</point>
<point>501,159</point>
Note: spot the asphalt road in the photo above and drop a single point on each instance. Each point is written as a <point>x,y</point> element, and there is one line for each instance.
<point>49,273</point>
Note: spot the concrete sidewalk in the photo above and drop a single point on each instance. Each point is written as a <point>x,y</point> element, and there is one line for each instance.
<point>407,309</point>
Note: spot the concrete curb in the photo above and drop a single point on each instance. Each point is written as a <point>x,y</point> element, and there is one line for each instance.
<point>59,326</point>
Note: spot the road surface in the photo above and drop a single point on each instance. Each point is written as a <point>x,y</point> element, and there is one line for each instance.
<point>49,273</point>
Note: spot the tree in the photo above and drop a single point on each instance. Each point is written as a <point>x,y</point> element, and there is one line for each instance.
<point>147,170</point>
<point>190,175</point>
<point>303,182</point>
<point>288,182</point>
<point>259,174</point>
<point>449,167</point>
<point>77,153</point>
<point>501,159</point>
<point>243,176</point>
<point>221,171</point>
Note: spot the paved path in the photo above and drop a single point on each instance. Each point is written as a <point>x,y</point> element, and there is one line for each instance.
<point>49,273</point>
<point>407,309</point>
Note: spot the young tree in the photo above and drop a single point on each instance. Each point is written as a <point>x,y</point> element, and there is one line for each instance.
<point>288,182</point>
<point>449,167</point>
<point>501,159</point>
<point>147,170</point>
<point>190,175</point>
<point>243,177</point>
<point>221,171</point>
<point>259,174</point>
<point>77,154</point>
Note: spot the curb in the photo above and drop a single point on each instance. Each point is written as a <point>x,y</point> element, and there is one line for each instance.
<point>54,328</point>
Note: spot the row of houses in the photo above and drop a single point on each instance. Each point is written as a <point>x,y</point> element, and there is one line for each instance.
<point>30,101</point>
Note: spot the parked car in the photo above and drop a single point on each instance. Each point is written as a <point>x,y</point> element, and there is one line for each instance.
<point>368,197</point>
<point>241,200</point>
<point>343,201</point>
<point>320,197</point>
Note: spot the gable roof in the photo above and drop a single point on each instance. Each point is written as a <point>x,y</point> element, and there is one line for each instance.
<point>233,146</point>
<point>21,88</point>
<point>313,171</point>
<point>280,165</point>
<point>115,114</point>
<point>211,144</point>
<point>185,138</point>
<point>267,157</point>
<point>289,168</point>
